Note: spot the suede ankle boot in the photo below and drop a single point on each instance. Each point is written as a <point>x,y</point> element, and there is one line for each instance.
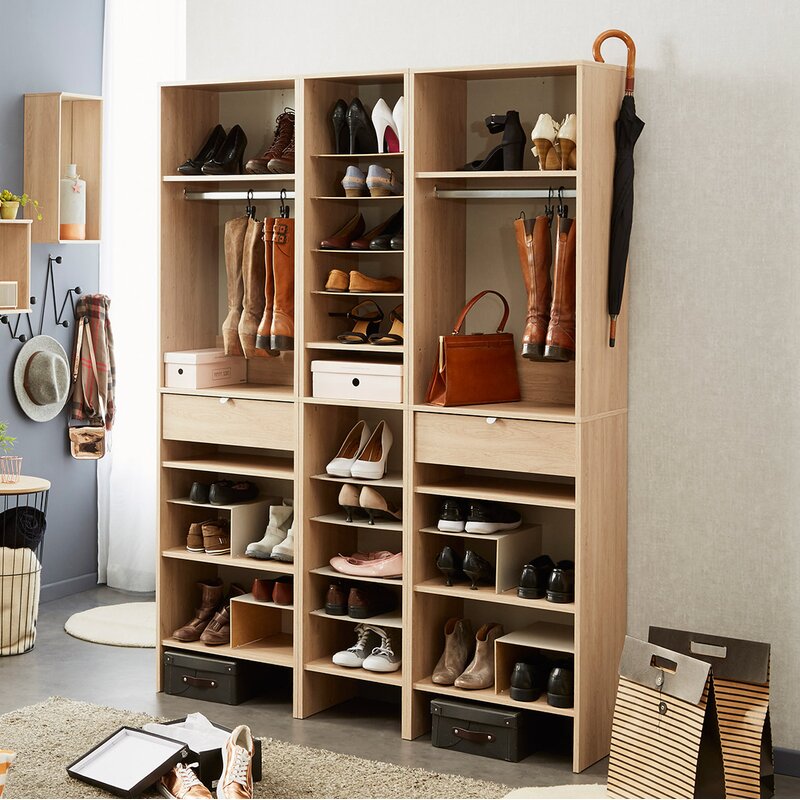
<point>458,641</point>
<point>234,246</point>
<point>211,597</point>
<point>262,336</point>
<point>253,278</point>
<point>535,255</point>
<point>480,673</point>
<point>282,328</point>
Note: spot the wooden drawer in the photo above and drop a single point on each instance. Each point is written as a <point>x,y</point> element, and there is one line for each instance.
<point>516,445</point>
<point>247,423</point>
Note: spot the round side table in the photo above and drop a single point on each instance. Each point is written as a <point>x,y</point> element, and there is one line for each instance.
<point>23,520</point>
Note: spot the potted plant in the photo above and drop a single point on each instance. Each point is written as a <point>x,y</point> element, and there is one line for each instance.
<point>10,203</point>
<point>10,466</point>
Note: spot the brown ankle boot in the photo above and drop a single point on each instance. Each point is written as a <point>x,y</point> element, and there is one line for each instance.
<point>262,337</point>
<point>209,602</point>
<point>282,329</point>
<point>283,137</point>
<point>458,641</point>
<point>560,342</point>
<point>218,631</point>
<point>535,256</point>
<point>234,246</point>
<point>253,278</point>
<point>480,673</point>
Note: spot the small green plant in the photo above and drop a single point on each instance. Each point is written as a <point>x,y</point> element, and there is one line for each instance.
<point>7,196</point>
<point>6,442</point>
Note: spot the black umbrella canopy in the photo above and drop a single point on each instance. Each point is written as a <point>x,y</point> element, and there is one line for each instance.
<point>627,130</point>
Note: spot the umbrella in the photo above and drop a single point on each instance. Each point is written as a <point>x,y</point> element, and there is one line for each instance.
<point>626,131</point>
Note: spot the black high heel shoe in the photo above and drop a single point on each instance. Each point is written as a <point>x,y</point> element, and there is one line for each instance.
<point>339,122</point>
<point>194,166</point>
<point>229,159</point>
<point>363,138</point>
<point>450,563</point>
<point>477,569</point>
<point>509,153</point>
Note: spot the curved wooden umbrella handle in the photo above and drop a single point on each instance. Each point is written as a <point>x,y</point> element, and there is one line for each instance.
<point>614,33</point>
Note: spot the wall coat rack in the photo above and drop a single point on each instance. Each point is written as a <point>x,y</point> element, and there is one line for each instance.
<point>49,289</point>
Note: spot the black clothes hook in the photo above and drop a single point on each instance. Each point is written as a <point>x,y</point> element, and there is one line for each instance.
<point>548,206</point>
<point>284,212</point>
<point>563,209</point>
<point>12,329</point>
<point>50,288</point>
<point>250,211</point>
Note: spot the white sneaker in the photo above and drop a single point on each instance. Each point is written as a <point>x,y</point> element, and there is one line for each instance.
<point>352,445</point>
<point>354,656</point>
<point>285,550</point>
<point>371,461</point>
<point>382,658</point>
<point>280,521</point>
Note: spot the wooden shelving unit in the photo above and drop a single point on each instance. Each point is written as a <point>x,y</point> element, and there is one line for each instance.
<point>558,456</point>
<point>15,261</point>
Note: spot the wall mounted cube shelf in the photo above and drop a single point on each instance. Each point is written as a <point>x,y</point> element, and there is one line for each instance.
<point>15,263</point>
<point>61,129</point>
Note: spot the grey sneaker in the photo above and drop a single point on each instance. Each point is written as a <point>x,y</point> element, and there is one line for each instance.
<point>354,182</point>
<point>280,520</point>
<point>383,657</point>
<point>354,656</point>
<point>382,182</point>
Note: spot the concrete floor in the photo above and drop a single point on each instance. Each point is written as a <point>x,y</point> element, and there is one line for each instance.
<point>125,678</point>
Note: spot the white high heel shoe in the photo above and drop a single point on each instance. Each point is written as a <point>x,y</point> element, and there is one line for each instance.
<point>544,137</point>
<point>371,461</point>
<point>399,114</point>
<point>351,448</point>
<point>568,141</point>
<point>385,128</point>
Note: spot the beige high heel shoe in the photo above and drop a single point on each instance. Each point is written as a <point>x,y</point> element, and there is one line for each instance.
<point>567,141</point>
<point>544,137</point>
<point>376,505</point>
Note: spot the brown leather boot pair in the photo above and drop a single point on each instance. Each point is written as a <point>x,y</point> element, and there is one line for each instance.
<point>276,331</point>
<point>211,623</point>
<point>550,323</point>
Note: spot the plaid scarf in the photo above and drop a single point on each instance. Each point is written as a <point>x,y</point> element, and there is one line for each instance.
<point>88,398</point>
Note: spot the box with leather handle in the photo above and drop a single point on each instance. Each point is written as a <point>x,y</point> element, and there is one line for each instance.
<point>219,680</point>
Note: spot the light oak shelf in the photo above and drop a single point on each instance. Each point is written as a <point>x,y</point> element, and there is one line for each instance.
<point>351,156</point>
<point>359,252</point>
<point>361,199</point>
<point>325,293</point>
<point>327,667</point>
<point>372,349</point>
<point>242,391</point>
<point>546,412</point>
<point>249,599</point>
<point>277,650</point>
<point>391,619</point>
<point>391,479</point>
<point>240,562</point>
<point>330,572</point>
<point>340,520</point>
<point>489,595</point>
<point>185,501</point>
<point>491,696</point>
<point>326,401</point>
<point>271,178</point>
<point>489,175</point>
<point>236,464</point>
<point>504,490</point>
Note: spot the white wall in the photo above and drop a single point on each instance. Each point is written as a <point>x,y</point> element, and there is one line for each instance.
<point>714,284</point>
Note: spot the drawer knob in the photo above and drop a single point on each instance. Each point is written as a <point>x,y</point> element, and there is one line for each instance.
<point>224,400</point>
<point>491,420</point>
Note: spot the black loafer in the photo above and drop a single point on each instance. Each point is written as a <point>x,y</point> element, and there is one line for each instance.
<point>529,679</point>
<point>491,517</point>
<point>561,584</point>
<point>561,688</point>
<point>477,569</point>
<point>535,577</point>
<point>199,492</point>
<point>228,493</point>
<point>452,516</point>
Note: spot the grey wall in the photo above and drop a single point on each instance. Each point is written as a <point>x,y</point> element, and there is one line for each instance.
<point>47,47</point>
<point>714,284</point>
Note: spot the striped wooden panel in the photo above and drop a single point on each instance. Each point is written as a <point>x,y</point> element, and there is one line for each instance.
<point>652,754</point>
<point>6,760</point>
<point>742,711</point>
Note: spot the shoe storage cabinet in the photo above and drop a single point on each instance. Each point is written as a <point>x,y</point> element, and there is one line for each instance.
<point>558,456</point>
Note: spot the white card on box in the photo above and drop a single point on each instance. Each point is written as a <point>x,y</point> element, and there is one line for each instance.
<point>358,380</point>
<point>203,369</point>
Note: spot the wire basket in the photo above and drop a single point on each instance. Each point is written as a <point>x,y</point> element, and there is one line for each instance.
<point>10,469</point>
<point>23,521</point>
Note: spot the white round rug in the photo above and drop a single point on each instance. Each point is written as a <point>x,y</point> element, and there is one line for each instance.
<point>123,625</point>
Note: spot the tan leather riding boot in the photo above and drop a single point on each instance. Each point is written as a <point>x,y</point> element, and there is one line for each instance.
<point>458,639</point>
<point>262,337</point>
<point>212,592</point>
<point>480,673</point>
<point>560,341</point>
<point>234,246</point>
<point>253,277</point>
<point>535,257</point>
<point>282,330</point>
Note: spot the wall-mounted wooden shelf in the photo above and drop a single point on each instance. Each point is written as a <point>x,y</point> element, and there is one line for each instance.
<point>15,261</point>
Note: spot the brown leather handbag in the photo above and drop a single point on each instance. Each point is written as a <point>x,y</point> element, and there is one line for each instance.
<point>474,369</point>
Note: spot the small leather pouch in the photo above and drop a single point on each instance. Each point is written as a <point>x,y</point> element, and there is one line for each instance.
<point>476,368</point>
<point>88,442</point>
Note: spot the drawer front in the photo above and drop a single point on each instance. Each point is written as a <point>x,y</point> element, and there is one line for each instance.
<point>509,444</point>
<point>247,423</point>
<point>343,386</point>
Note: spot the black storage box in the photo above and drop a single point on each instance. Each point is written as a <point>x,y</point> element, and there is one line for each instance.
<point>209,762</point>
<point>219,680</point>
<point>480,730</point>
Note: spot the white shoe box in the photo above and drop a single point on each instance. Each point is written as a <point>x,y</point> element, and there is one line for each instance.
<point>203,369</point>
<point>357,380</point>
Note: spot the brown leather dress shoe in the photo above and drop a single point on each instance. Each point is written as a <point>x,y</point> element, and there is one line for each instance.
<point>218,631</point>
<point>364,602</point>
<point>283,593</point>
<point>336,600</point>
<point>388,226</point>
<point>262,589</point>
<point>209,602</point>
<point>340,240</point>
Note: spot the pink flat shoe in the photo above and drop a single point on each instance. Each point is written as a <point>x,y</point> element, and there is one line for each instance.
<point>380,564</point>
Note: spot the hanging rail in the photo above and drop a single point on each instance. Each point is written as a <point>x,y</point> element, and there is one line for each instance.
<point>274,195</point>
<point>498,194</point>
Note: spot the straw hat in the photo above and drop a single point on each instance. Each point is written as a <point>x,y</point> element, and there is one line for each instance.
<point>41,378</point>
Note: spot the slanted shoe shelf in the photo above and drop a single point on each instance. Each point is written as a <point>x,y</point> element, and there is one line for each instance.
<point>558,456</point>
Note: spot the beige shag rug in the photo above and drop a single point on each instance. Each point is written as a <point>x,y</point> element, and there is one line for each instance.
<point>122,625</point>
<point>50,735</point>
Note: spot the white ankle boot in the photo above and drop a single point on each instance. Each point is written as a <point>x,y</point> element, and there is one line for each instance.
<point>280,520</point>
<point>284,551</point>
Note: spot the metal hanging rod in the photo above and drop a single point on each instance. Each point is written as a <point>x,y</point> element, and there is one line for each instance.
<point>275,195</point>
<point>499,194</point>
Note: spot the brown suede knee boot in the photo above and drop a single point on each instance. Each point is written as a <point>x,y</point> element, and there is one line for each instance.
<point>234,246</point>
<point>253,270</point>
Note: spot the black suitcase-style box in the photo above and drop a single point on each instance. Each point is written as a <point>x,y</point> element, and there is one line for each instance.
<point>218,680</point>
<point>480,730</point>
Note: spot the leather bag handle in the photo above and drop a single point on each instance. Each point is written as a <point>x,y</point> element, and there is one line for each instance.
<point>468,307</point>
<point>200,683</point>
<point>479,737</point>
